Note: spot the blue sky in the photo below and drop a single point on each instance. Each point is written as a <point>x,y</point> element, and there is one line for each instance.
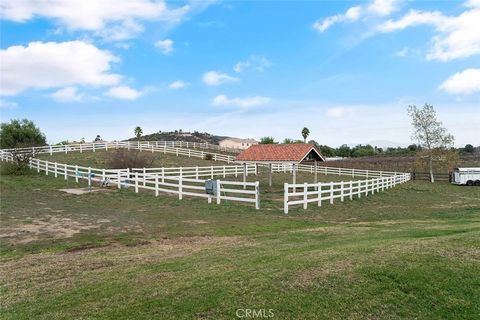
<point>345,69</point>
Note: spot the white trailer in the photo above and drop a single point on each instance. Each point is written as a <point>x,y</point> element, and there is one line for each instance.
<point>466,176</point>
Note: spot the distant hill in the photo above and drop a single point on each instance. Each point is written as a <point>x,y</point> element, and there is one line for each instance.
<point>195,136</point>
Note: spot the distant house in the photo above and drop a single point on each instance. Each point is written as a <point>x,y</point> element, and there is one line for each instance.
<point>237,143</point>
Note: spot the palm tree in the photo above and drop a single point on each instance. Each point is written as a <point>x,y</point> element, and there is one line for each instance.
<point>138,133</point>
<point>305,133</point>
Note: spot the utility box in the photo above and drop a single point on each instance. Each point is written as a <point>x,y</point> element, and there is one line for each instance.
<point>211,187</point>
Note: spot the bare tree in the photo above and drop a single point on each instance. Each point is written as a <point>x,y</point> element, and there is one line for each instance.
<point>429,132</point>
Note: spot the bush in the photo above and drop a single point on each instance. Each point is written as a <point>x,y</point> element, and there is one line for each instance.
<point>208,156</point>
<point>124,159</point>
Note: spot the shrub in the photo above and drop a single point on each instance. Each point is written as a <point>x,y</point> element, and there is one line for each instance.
<point>124,159</point>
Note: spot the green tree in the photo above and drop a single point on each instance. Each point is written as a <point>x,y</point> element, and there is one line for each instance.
<point>20,133</point>
<point>468,148</point>
<point>267,140</point>
<point>97,138</point>
<point>344,151</point>
<point>138,132</point>
<point>305,134</point>
<point>288,141</point>
<point>429,132</point>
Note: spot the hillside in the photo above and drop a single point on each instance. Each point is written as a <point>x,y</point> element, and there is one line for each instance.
<point>181,136</point>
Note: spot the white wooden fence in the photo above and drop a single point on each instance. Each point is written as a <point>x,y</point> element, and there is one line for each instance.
<point>248,192</point>
<point>328,191</point>
<point>142,146</point>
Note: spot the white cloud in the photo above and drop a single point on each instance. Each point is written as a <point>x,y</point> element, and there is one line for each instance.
<point>123,92</point>
<point>5,104</point>
<point>166,46</point>
<point>259,63</point>
<point>247,102</point>
<point>339,112</point>
<point>55,64</point>
<point>215,78</point>
<point>112,19</point>
<point>457,36</point>
<point>67,94</point>
<point>465,82</point>
<point>379,8</point>
<point>179,84</point>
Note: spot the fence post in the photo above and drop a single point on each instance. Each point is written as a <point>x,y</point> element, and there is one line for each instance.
<point>103,175</point>
<point>156,185</point>
<point>211,172</point>
<point>55,169</point>
<point>180,188</point>
<point>66,149</point>
<point>163,175</point>
<point>351,190</point>
<point>341,191</point>
<point>305,197</point>
<point>224,171</point>
<point>38,165</point>
<point>331,192</point>
<point>285,198</point>
<point>93,146</point>
<point>46,167</point>
<point>257,195</point>
<point>118,180</point>
<point>51,151</point>
<point>65,173</point>
<point>144,177</point>
<point>196,172</point>
<point>76,174</point>
<point>136,182</point>
<point>218,191</point>
<point>106,146</point>
<point>319,189</point>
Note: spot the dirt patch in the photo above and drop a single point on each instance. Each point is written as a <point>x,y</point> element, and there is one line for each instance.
<point>195,222</point>
<point>50,226</point>
<point>80,191</point>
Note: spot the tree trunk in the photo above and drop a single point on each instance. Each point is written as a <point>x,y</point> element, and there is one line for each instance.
<point>430,164</point>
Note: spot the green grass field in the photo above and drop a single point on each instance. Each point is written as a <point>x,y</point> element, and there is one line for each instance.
<point>409,252</point>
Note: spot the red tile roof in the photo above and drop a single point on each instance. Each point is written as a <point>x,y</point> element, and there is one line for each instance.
<point>295,152</point>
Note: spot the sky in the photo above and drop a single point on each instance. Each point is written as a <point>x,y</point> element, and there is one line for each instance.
<point>347,70</point>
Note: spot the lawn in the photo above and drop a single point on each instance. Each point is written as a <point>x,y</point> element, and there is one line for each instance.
<point>409,252</point>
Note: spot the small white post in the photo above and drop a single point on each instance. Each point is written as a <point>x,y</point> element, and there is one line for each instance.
<point>76,174</point>
<point>224,171</point>
<point>55,170</point>
<point>38,165</point>
<point>341,191</point>
<point>211,172</point>
<point>316,173</point>
<point>66,150</point>
<point>81,150</point>
<point>351,190</point>
<point>65,173</point>
<point>144,177</point>
<point>305,198</point>
<point>331,192</point>
<point>257,195</point>
<point>103,175</point>
<point>196,172</point>
<point>285,198</point>
<point>319,189</point>
<point>51,151</point>
<point>180,188</point>
<point>46,168</point>
<point>156,186</point>
<point>136,182</point>
<point>118,180</point>
<point>218,191</point>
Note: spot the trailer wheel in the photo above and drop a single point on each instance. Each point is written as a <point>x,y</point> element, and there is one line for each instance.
<point>470,183</point>
<point>477,183</point>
